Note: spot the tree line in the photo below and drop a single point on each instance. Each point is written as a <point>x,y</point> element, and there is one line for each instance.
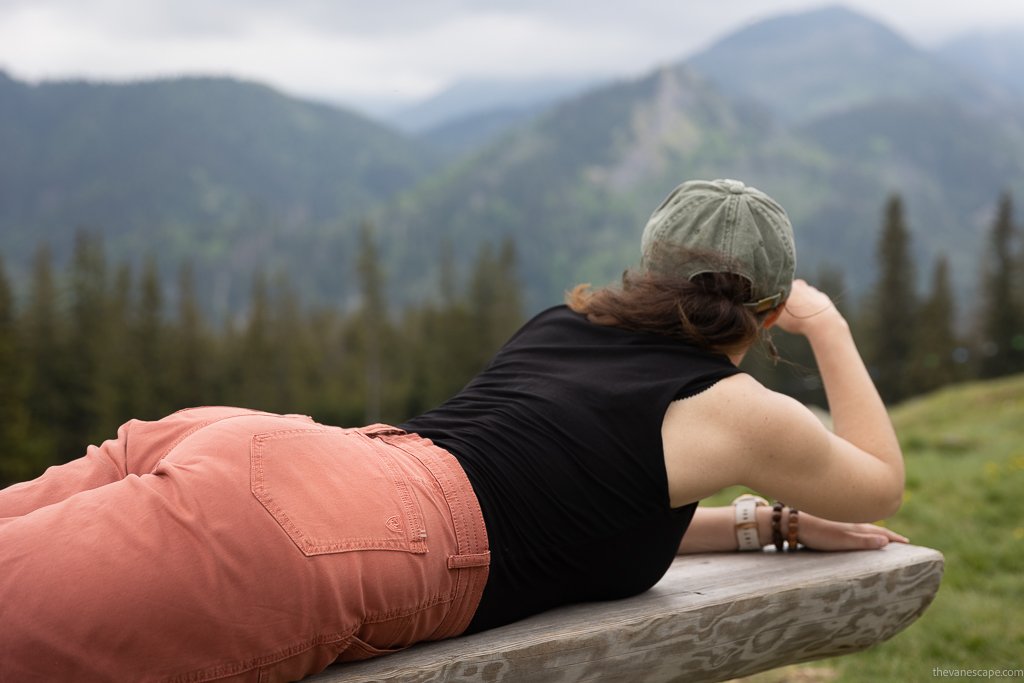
<point>912,342</point>
<point>92,347</point>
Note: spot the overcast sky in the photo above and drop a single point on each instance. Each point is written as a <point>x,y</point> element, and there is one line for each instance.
<point>402,50</point>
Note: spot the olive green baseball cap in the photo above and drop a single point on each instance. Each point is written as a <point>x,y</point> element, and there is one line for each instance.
<point>743,226</point>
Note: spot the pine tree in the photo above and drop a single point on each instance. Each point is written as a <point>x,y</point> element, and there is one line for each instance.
<point>88,387</point>
<point>373,316</point>
<point>483,299</point>
<point>45,355</point>
<point>149,345</point>
<point>448,339</point>
<point>894,306</point>
<point>11,385</point>
<point>123,368</point>
<point>448,275</point>
<point>1002,312</point>
<point>494,302</point>
<point>256,357</point>
<point>288,339</point>
<point>22,457</point>
<point>508,315</point>
<point>437,344</point>
<point>936,339</point>
<point>189,348</point>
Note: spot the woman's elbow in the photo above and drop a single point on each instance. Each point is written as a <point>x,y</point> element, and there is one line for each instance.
<point>892,499</point>
<point>895,502</point>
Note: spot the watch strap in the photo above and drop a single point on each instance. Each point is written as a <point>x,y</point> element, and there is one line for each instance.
<point>747,537</point>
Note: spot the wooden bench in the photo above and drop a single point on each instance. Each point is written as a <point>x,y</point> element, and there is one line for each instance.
<point>711,618</point>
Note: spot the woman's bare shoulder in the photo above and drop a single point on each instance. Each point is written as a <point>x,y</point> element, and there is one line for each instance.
<point>740,402</point>
<point>739,432</point>
<point>715,438</point>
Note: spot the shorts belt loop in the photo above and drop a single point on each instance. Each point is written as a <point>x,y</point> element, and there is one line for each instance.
<point>380,430</point>
<point>469,560</point>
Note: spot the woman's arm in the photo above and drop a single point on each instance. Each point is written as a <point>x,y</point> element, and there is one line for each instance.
<point>858,414</point>
<point>713,530</point>
<point>739,432</point>
<point>858,466</point>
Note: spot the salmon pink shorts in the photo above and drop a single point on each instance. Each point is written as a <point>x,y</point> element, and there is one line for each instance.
<point>222,544</point>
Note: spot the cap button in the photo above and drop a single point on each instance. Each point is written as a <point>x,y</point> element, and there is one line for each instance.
<point>735,186</point>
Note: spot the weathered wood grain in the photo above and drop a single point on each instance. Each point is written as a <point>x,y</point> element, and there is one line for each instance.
<point>711,618</point>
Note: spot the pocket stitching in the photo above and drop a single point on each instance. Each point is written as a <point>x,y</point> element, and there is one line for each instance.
<point>412,516</point>
<point>259,483</point>
<point>260,489</point>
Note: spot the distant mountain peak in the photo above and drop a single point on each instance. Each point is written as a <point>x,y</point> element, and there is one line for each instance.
<point>998,55</point>
<point>832,23</point>
<point>473,97</point>
<point>825,61</point>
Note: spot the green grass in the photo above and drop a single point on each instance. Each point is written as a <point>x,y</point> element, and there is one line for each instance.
<point>964,451</point>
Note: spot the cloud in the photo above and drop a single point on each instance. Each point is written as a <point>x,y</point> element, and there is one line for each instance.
<point>402,49</point>
<point>312,49</point>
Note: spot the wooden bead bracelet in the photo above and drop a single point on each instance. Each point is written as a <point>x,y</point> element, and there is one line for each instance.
<point>794,523</point>
<point>777,525</point>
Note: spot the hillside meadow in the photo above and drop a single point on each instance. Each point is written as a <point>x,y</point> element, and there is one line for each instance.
<point>964,452</point>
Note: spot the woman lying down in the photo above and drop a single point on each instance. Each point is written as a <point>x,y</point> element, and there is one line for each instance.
<point>224,544</point>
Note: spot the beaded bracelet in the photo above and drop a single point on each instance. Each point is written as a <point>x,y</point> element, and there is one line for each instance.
<point>777,525</point>
<point>794,522</point>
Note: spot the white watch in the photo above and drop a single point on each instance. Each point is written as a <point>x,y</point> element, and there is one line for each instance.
<point>746,521</point>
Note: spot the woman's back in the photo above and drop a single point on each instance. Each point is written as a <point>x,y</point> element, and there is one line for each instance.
<point>561,439</point>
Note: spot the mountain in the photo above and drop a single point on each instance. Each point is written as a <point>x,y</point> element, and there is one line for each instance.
<point>464,135</point>
<point>470,98</point>
<point>947,162</point>
<point>575,187</point>
<point>808,65</point>
<point>999,56</point>
<point>232,174</point>
<point>829,112</point>
<point>235,176</point>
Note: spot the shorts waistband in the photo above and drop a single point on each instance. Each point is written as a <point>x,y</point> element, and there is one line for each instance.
<point>473,557</point>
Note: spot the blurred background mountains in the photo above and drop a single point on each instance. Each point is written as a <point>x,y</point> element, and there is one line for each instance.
<point>827,111</point>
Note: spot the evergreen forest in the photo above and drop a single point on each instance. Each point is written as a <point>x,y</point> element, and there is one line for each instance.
<point>95,346</point>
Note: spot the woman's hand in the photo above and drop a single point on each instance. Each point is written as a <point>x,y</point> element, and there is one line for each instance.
<point>713,529</point>
<point>805,308</point>
<point>822,534</point>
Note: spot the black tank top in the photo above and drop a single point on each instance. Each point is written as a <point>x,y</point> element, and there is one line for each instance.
<point>560,438</point>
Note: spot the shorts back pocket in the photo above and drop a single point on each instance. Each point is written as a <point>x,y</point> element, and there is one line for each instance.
<point>334,492</point>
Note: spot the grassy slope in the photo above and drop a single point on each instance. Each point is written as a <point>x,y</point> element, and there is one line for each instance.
<point>964,450</point>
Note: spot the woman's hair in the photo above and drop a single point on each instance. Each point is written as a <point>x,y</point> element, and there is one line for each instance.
<point>706,310</point>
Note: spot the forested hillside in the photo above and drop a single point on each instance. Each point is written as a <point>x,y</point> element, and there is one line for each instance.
<point>231,175</point>
<point>575,188</point>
